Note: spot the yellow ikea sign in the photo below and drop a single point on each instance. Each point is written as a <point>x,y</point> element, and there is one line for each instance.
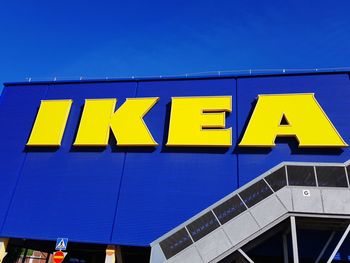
<point>194,121</point>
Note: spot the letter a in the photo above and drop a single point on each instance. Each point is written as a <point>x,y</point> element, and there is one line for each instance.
<point>290,115</point>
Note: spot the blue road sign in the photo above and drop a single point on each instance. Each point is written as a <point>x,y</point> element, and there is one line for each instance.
<point>61,243</point>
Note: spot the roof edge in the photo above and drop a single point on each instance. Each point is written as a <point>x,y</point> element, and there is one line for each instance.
<point>191,76</point>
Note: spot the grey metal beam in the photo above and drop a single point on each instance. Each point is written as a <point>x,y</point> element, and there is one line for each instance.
<point>339,244</point>
<point>294,240</point>
<point>245,256</point>
<point>325,247</point>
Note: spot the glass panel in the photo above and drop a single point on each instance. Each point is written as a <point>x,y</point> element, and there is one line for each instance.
<point>277,179</point>
<point>301,175</point>
<point>229,209</point>
<point>255,193</point>
<point>175,243</point>
<point>202,226</point>
<point>331,176</point>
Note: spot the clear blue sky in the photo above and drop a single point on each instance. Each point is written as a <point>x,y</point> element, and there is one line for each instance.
<point>95,39</point>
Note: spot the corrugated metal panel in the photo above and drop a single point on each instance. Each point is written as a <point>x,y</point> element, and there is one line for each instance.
<point>17,108</point>
<point>164,186</point>
<point>69,192</point>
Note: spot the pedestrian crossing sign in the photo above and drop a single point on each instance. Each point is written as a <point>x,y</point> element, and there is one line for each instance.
<point>61,243</point>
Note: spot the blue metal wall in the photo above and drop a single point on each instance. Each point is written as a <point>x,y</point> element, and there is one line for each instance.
<point>132,196</point>
<point>333,94</point>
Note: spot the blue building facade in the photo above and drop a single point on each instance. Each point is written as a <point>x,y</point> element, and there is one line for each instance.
<point>132,195</point>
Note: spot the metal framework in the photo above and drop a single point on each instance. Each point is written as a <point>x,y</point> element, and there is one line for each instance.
<point>289,190</point>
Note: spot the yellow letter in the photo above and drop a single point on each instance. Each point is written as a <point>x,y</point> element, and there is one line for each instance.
<point>126,123</point>
<point>50,123</point>
<point>199,121</point>
<point>304,119</point>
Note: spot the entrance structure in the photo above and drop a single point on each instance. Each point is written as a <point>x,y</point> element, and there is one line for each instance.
<point>316,195</point>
